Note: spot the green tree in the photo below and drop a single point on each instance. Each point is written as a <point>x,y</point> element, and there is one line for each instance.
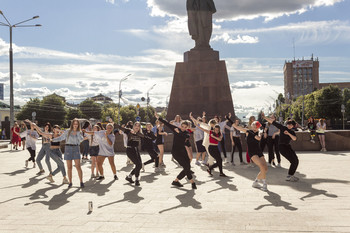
<point>90,109</point>
<point>73,113</point>
<point>52,110</point>
<point>33,105</point>
<point>328,102</point>
<point>110,110</point>
<point>147,114</point>
<point>127,113</point>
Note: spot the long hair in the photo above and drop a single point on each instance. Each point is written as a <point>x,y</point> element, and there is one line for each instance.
<point>48,124</point>
<point>71,127</point>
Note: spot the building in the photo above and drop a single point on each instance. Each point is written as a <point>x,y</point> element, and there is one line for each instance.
<point>301,77</point>
<point>102,99</point>
<point>340,85</point>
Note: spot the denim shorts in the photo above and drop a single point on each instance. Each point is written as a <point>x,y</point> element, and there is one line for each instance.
<point>71,152</point>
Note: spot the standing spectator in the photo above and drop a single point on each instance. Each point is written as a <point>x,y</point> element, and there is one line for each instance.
<point>23,134</point>
<point>16,139</point>
<point>3,136</point>
<point>311,125</point>
<point>272,143</point>
<point>321,129</point>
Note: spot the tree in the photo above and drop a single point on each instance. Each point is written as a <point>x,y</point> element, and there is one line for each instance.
<point>90,109</point>
<point>52,110</point>
<point>127,113</point>
<point>328,102</point>
<point>33,105</point>
<point>73,113</point>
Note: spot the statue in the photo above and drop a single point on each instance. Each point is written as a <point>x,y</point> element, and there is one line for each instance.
<point>200,21</point>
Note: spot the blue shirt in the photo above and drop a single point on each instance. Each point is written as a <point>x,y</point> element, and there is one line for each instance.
<point>72,139</point>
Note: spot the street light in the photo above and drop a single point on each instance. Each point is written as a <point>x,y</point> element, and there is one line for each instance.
<point>148,100</point>
<point>11,26</point>
<point>120,95</point>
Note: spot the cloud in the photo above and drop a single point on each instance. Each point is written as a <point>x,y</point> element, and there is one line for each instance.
<point>245,39</point>
<point>36,77</point>
<point>249,84</point>
<point>99,84</point>
<point>234,9</point>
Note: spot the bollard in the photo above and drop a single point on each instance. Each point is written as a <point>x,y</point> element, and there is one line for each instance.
<point>90,206</point>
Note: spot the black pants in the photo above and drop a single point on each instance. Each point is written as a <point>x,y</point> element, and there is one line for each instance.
<point>182,158</point>
<point>272,145</point>
<point>223,148</point>
<point>32,154</point>
<point>289,154</point>
<point>238,144</point>
<point>214,151</point>
<point>154,157</point>
<point>134,155</point>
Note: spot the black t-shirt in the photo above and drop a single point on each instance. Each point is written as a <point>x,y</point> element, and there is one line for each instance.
<point>179,138</point>
<point>253,144</point>
<point>148,140</point>
<point>284,139</point>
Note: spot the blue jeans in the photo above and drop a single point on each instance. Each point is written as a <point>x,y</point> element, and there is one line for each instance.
<point>45,151</point>
<point>56,155</point>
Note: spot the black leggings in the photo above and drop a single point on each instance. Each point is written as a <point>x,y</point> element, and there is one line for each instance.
<point>214,151</point>
<point>238,144</point>
<point>182,158</point>
<point>32,154</point>
<point>154,157</point>
<point>134,155</point>
<point>223,148</point>
<point>289,154</point>
<point>271,143</point>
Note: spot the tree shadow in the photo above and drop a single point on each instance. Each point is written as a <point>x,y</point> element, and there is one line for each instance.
<point>57,200</point>
<point>224,183</point>
<point>276,200</point>
<point>132,196</point>
<point>186,200</point>
<point>97,187</point>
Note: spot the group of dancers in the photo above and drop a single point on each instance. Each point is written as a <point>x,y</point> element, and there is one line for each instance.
<point>209,139</point>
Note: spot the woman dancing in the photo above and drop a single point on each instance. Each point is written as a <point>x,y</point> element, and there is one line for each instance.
<point>179,151</point>
<point>148,146</point>
<point>73,137</point>
<point>160,142</point>
<point>45,149</point>
<point>93,150</point>
<point>32,137</point>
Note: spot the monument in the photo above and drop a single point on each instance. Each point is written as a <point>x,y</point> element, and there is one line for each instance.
<point>200,82</point>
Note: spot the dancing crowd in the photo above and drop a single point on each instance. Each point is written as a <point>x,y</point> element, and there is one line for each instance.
<point>99,140</point>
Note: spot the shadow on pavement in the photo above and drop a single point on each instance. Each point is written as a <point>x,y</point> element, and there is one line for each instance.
<point>186,200</point>
<point>127,168</point>
<point>224,183</point>
<point>17,172</point>
<point>131,196</point>
<point>276,200</point>
<point>32,181</point>
<point>97,187</point>
<point>150,178</point>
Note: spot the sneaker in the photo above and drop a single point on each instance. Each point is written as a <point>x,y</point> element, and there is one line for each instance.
<point>100,178</point>
<point>137,183</point>
<point>226,161</point>
<point>292,179</point>
<point>143,167</point>
<point>204,162</point>
<point>50,178</point>
<point>256,185</point>
<point>324,150</point>
<point>40,172</point>
<point>251,165</point>
<point>93,176</point>
<point>82,185</point>
<point>312,141</point>
<point>198,163</point>
<point>177,183</point>
<point>34,165</point>
<point>26,163</point>
<point>264,187</point>
<point>65,181</point>
<point>129,179</point>
<point>209,171</point>
<point>115,177</point>
<point>194,186</point>
<point>156,169</point>
<point>223,175</point>
<point>70,185</point>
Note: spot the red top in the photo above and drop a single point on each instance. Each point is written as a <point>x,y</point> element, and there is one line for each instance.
<point>213,140</point>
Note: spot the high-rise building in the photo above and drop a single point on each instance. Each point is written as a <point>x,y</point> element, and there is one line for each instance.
<point>301,77</point>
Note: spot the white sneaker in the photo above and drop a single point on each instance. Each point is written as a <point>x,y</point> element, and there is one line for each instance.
<point>50,178</point>
<point>256,185</point>
<point>313,141</point>
<point>251,165</point>
<point>143,167</point>
<point>198,163</point>
<point>292,178</point>
<point>264,187</point>
<point>26,163</point>
<point>226,161</point>
<point>65,181</point>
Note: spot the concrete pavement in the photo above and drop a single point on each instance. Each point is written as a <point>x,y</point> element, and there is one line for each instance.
<point>319,202</point>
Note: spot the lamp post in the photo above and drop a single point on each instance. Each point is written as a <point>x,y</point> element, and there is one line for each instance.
<point>148,100</point>
<point>120,95</point>
<point>11,26</point>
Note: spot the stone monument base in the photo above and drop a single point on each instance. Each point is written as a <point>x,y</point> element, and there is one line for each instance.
<point>200,84</point>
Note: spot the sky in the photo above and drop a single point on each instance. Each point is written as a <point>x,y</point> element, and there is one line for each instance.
<point>85,47</point>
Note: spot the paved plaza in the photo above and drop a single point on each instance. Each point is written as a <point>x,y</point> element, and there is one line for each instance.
<point>319,202</point>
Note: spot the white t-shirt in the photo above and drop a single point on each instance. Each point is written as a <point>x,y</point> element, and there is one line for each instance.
<point>222,125</point>
<point>31,138</point>
<point>198,134</point>
<point>105,148</point>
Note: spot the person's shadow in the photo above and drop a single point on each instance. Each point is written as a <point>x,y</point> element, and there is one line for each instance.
<point>32,181</point>
<point>17,172</point>
<point>97,187</point>
<point>131,196</point>
<point>127,168</point>
<point>276,200</point>
<point>57,200</point>
<point>186,200</point>
<point>224,183</point>
<point>150,178</point>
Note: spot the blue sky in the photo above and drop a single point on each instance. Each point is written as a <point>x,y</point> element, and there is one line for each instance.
<point>86,46</point>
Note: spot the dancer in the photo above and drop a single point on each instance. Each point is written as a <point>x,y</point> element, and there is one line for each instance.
<point>272,143</point>
<point>188,143</point>
<point>215,136</point>
<point>255,153</point>
<point>198,137</point>
<point>32,136</point>
<point>85,142</point>
<point>148,146</point>
<point>249,126</point>
<point>134,136</point>
<point>105,139</point>
<point>93,150</point>
<point>235,136</point>
<point>23,134</point>
<point>160,142</point>
<point>179,151</point>
<point>54,152</point>
<point>321,129</point>
<point>287,134</point>
<point>45,149</point>
<point>73,137</point>
<point>223,126</point>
